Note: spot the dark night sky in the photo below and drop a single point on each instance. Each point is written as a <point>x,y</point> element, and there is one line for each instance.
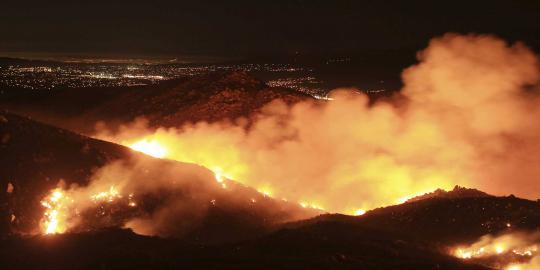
<point>258,27</point>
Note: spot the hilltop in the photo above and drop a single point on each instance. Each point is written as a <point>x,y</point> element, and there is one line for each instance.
<point>209,97</point>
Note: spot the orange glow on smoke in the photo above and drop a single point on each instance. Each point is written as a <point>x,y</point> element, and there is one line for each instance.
<point>210,160</point>
<point>108,196</point>
<point>493,249</point>
<point>226,162</point>
<point>464,117</point>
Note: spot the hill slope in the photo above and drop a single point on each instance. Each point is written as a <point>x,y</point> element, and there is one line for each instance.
<point>232,232</point>
<point>35,158</point>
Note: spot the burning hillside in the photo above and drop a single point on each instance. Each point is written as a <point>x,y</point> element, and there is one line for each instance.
<point>80,184</point>
<point>511,251</point>
<point>226,159</point>
<point>466,116</point>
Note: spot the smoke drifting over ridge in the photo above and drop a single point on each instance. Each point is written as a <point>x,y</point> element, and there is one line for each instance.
<point>159,197</point>
<point>467,115</point>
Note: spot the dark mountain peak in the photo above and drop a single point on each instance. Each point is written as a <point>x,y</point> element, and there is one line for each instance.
<point>456,193</point>
<point>212,97</point>
<point>217,81</point>
<point>242,80</point>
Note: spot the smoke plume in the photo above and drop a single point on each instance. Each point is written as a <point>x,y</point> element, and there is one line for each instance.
<point>467,115</point>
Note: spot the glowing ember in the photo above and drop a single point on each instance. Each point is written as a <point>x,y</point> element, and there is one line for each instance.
<point>456,114</point>
<point>226,166</point>
<point>149,147</point>
<point>9,188</point>
<point>513,249</point>
<point>107,196</point>
<point>227,163</point>
<point>131,203</point>
<point>467,254</point>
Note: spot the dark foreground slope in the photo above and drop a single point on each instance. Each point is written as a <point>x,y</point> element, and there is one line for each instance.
<point>209,97</point>
<point>444,218</point>
<point>327,242</point>
<point>115,249</point>
<point>35,158</point>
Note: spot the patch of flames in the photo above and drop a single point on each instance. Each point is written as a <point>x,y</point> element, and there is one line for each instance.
<point>512,249</point>
<point>494,250</point>
<point>62,209</point>
<point>54,218</point>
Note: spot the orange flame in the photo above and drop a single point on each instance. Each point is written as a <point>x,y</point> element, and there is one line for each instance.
<point>62,209</point>
<point>54,219</point>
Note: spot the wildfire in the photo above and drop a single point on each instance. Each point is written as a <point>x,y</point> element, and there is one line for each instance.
<point>149,147</point>
<point>359,212</point>
<point>493,250</point>
<point>108,196</point>
<point>63,207</point>
<point>227,166</point>
<point>511,250</point>
<point>54,217</point>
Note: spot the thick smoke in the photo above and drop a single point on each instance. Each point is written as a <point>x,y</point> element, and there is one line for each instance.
<point>467,115</point>
<point>159,197</point>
